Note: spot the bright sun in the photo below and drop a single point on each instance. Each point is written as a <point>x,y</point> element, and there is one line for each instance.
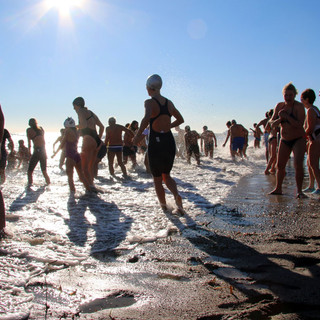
<point>64,6</point>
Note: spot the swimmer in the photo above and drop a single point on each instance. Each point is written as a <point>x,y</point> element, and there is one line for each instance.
<point>191,141</point>
<point>161,147</point>
<point>207,138</point>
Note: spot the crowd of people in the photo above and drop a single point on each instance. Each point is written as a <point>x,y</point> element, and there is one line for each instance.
<point>287,128</point>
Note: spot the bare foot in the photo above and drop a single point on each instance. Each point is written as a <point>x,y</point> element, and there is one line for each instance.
<point>178,200</point>
<point>301,195</point>
<point>276,192</point>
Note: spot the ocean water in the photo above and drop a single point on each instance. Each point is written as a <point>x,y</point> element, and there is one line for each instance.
<point>51,229</point>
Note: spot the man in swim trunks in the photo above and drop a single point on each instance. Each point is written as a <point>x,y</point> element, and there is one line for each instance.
<point>35,134</point>
<point>290,115</point>
<point>257,133</point>
<point>206,143</point>
<point>191,141</point>
<point>161,147</point>
<point>114,144</point>
<point>239,137</point>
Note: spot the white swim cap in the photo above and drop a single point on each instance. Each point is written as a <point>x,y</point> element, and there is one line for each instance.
<point>154,82</point>
<point>69,123</point>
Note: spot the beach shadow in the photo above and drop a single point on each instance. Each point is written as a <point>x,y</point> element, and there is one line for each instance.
<point>258,271</point>
<point>26,197</point>
<point>110,226</point>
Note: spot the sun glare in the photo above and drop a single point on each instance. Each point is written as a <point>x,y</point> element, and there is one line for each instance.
<point>64,6</point>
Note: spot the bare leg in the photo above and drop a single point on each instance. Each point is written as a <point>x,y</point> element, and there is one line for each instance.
<point>121,164</point>
<point>69,170</point>
<point>111,155</point>
<point>299,150</point>
<point>314,154</point>
<point>172,186</point>
<point>2,213</point>
<point>283,157</point>
<point>160,191</point>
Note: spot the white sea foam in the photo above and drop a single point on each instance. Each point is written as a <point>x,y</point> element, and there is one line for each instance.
<point>53,229</point>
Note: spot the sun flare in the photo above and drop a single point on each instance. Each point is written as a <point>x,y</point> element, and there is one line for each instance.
<point>64,6</point>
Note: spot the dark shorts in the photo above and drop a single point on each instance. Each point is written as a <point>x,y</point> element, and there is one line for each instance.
<point>115,148</point>
<point>102,151</point>
<point>237,143</point>
<point>3,160</point>
<point>127,151</point>
<point>161,153</point>
<point>193,148</point>
<point>39,154</point>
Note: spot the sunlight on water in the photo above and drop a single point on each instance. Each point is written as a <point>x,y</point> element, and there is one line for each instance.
<point>52,229</point>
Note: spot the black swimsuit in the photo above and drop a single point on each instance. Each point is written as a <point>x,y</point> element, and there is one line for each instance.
<point>161,147</point>
<point>91,132</point>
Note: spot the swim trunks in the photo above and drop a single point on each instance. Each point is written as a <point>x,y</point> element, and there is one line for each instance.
<point>237,143</point>
<point>115,148</point>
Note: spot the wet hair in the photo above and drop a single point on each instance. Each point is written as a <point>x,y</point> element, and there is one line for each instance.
<point>228,124</point>
<point>233,121</point>
<point>21,142</point>
<point>270,113</point>
<point>33,123</point>
<point>112,120</point>
<point>205,127</point>
<point>79,101</point>
<point>309,94</point>
<point>291,87</point>
<point>187,128</point>
<point>154,82</point>
<point>133,124</point>
<point>255,124</point>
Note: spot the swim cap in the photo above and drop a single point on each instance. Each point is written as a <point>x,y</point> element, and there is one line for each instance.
<point>78,102</point>
<point>154,82</point>
<point>69,123</point>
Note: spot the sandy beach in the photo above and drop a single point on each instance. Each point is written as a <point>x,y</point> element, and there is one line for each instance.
<point>237,253</point>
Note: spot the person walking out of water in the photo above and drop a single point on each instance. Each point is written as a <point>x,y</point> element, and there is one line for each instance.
<point>290,115</point>
<point>239,138</point>
<point>312,124</point>
<point>114,144</point>
<point>36,134</point>
<point>4,154</point>
<point>257,133</point>
<point>180,142</point>
<point>129,149</point>
<point>63,151</point>
<point>191,141</point>
<point>69,143</point>
<point>207,138</point>
<point>2,208</point>
<point>91,140</point>
<point>161,147</point>
<point>23,155</point>
<point>228,124</point>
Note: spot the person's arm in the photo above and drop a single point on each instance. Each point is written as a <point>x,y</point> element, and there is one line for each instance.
<point>100,125</point>
<point>310,121</point>
<point>227,138</point>
<point>275,119</point>
<point>106,140</point>
<point>215,140</point>
<point>144,122</point>
<point>175,113</point>
<point>297,123</point>
<point>62,144</point>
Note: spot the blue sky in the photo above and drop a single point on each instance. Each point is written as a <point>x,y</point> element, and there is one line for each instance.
<point>219,59</point>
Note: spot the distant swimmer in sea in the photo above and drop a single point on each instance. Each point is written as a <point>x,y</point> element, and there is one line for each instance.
<point>69,143</point>
<point>114,143</point>
<point>257,133</point>
<point>2,207</point>
<point>191,138</point>
<point>23,155</point>
<point>91,140</point>
<point>272,146</point>
<point>4,154</point>
<point>161,147</point>
<point>35,133</point>
<point>130,149</point>
<point>63,151</point>
<point>290,115</point>
<point>239,139</point>
<point>228,124</point>
<point>206,142</point>
<point>312,127</point>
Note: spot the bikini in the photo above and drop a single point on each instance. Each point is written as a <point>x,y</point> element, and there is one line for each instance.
<point>91,132</point>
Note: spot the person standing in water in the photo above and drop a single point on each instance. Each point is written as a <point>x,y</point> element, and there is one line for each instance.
<point>161,147</point>
<point>2,208</point>
<point>91,140</point>
<point>290,115</point>
<point>207,138</point>
<point>35,134</point>
<point>69,143</point>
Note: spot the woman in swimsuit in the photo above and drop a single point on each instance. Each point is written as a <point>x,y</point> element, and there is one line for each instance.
<point>36,135</point>
<point>161,147</point>
<point>69,143</point>
<point>91,140</point>
<point>290,115</point>
<point>312,125</point>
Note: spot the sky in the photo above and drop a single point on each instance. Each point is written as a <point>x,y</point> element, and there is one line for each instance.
<point>219,59</point>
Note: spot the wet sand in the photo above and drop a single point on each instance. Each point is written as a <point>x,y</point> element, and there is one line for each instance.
<point>264,263</point>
